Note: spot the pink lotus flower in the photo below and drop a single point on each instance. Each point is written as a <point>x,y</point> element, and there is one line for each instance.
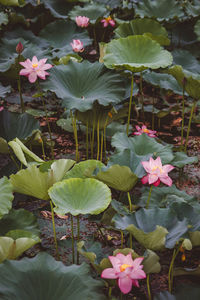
<point>144,129</point>
<point>108,21</point>
<point>156,172</point>
<point>77,46</point>
<point>1,108</point>
<point>82,21</point>
<point>126,270</point>
<point>35,68</point>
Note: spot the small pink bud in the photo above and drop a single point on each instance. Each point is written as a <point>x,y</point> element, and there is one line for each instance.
<point>19,48</point>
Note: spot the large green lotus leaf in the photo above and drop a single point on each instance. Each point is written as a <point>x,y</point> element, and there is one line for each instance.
<point>117,177</point>
<point>164,81</point>
<point>31,182</point>
<point>68,32</point>
<point>136,53</point>
<point>23,153</point>
<point>160,9</point>
<point>80,196</point>
<point>197,29</point>
<point>6,196</point>
<point>58,8</point>
<point>12,2</point>
<point>163,196</point>
<point>4,90</point>
<point>84,169</point>
<point>42,277</point>
<point>151,262</point>
<point>93,11</point>
<point>79,85</point>
<point>141,26</point>
<point>192,82</point>
<point>21,220</point>
<point>11,249</point>
<point>181,159</point>
<point>153,228</point>
<point>185,59</point>
<point>136,144</point>
<point>14,125</point>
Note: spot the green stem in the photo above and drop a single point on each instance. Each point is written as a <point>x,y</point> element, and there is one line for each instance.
<point>54,229</point>
<point>131,240</point>
<point>110,292</point>
<point>130,104</point>
<point>148,287</point>
<point>149,196</point>
<point>153,116</point>
<point>170,273</point>
<point>122,239</point>
<point>104,238</point>
<point>87,140</point>
<point>78,237</point>
<point>43,152</point>
<point>19,86</point>
<point>129,200</point>
<point>104,133</point>
<point>98,139</point>
<point>92,144</point>
<point>183,116</point>
<point>101,154</point>
<point>142,95</point>
<point>189,125</point>
<point>72,232</point>
<point>76,138</point>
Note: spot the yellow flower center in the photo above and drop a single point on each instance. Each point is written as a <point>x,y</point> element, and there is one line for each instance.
<point>34,65</point>
<point>124,267</point>
<point>110,114</point>
<point>146,130</point>
<point>108,19</point>
<point>159,168</point>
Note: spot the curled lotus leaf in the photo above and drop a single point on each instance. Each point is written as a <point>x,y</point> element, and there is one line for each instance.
<point>160,9</point>
<point>142,26</point>
<point>24,279</point>
<point>6,196</point>
<point>92,11</point>
<point>80,196</point>
<point>95,83</point>
<point>136,53</point>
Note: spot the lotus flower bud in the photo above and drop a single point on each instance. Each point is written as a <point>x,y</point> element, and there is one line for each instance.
<point>19,48</point>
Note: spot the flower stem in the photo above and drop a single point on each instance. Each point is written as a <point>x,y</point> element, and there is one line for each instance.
<point>110,292</point>
<point>148,287</point>
<point>78,237</point>
<point>153,115</point>
<point>129,200</point>
<point>142,95</point>
<point>183,116</point>
<point>76,138</point>
<point>54,229</point>
<point>87,140</point>
<point>130,104</point>
<point>101,154</point>
<point>104,133</point>
<point>189,125</point>
<point>98,139</point>
<point>19,86</point>
<point>92,143</point>
<point>131,240</point>
<point>170,273</point>
<point>149,196</point>
<point>122,239</point>
<point>72,232</point>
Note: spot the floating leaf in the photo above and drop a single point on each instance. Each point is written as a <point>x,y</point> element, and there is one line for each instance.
<point>80,196</point>
<point>22,280</point>
<point>136,53</point>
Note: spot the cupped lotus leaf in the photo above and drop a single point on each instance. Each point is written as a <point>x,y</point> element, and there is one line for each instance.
<point>154,228</point>
<point>117,177</point>
<point>160,9</point>
<point>3,146</point>
<point>92,11</point>
<point>68,31</point>
<point>163,196</point>
<point>191,81</point>
<point>121,142</point>
<point>197,29</point>
<point>21,220</point>
<point>141,26</point>
<point>151,262</point>
<point>80,196</point>
<point>79,85</point>
<point>164,81</point>
<point>186,60</point>
<point>84,169</point>
<point>6,196</point>
<point>14,125</point>
<point>23,153</point>
<point>4,90</point>
<point>136,53</point>
<point>34,182</point>
<point>42,277</point>
<point>181,159</point>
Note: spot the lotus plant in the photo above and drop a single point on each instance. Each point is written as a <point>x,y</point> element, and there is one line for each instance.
<point>156,173</point>
<point>126,270</point>
<point>77,46</point>
<point>150,133</point>
<point>82,21</point>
